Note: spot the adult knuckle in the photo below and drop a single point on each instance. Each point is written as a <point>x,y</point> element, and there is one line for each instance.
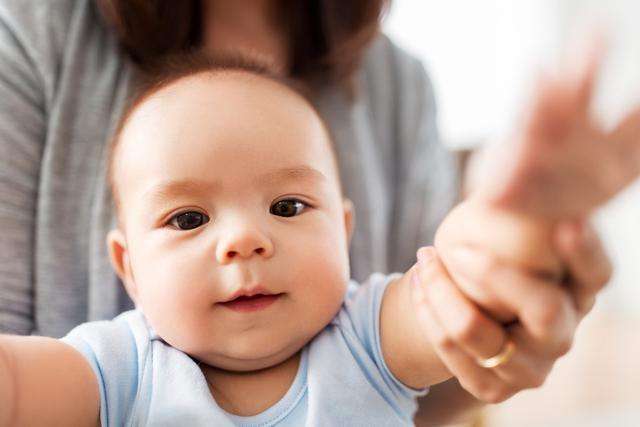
<point>563,347</point>
<point>587,306</point>
<point>481,390</point>
<point>604,275</point>
<point>537,380</point>
<point>557,347</point>
<point>496,394</point>
<point>446,343</point>
<point>548,315</point>
<point>554,310</point>
<point>489,398</point>
<point>489,392</point>
<point>473,387</point>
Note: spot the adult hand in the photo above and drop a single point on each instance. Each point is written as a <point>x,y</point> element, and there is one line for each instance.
<point>500,275</point>
<point>567,253</point>
<point>560,163</point>
<point>527,270</point>
<point>462,333</point>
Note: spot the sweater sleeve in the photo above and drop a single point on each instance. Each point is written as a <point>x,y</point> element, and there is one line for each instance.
<point>22,135</point>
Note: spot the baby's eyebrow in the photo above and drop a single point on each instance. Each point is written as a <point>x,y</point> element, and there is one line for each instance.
<point>168,190</point>
<point>295,173</point>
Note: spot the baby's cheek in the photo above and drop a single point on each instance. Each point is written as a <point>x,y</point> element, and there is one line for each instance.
<point>319,287</point>
<point>170,297</point>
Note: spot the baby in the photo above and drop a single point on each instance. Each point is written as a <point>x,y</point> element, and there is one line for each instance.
<point>232,241</point>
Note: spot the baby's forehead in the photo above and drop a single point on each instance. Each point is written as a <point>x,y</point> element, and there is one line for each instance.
<point>229,104</point>
<point>228,98</point>
<point>223,93</point>
<point>204,111</point>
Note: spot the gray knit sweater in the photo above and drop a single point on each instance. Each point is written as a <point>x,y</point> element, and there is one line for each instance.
<point>63,84</point>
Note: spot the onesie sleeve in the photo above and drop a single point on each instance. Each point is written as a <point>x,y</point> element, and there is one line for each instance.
<point>359,321</point>
<point>112,351</point>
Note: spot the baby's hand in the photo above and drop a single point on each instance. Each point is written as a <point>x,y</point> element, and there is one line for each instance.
<point>476,239</point>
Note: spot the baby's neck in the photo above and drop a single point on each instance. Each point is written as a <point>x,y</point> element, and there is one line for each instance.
<point>250,393</point>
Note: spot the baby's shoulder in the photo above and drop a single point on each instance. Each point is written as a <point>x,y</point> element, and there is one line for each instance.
<point>125,338</point>
<point>120,353</point>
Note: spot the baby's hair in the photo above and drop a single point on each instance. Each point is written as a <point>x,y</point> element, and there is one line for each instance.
<point>177,67</point>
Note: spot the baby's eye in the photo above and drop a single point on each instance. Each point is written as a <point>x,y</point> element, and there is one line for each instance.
<point>188,220</point>
<point>288,207</point>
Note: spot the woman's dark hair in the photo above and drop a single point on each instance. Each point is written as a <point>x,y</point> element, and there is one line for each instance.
<point>328,37</point>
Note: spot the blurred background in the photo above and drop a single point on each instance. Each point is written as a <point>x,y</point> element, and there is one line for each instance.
<point>482,57</point>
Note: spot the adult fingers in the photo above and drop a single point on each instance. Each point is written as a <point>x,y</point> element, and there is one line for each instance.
<point>473,332</point>
<point>527,368</point>
<point>463,321</point>
<point>482,383</point>
<point>589,267</point>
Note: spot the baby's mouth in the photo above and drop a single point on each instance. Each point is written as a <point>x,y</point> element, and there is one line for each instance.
<point>249,303</point>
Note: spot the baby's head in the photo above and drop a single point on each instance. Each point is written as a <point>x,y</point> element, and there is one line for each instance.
<point>226,184</point>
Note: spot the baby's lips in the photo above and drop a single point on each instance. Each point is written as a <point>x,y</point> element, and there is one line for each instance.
<point>249,291</point>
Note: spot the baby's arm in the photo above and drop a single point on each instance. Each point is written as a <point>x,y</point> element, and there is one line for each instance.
<point>44,381</point>
<point>406,351</point>
<point>521,242</point>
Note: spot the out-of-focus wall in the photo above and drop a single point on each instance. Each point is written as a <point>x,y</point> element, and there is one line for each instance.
<point>482,57</point>
<point>479,54</point>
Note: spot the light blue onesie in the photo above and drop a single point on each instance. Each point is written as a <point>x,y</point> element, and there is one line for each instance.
<point>342,379</point>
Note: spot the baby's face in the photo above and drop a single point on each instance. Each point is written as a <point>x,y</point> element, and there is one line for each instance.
<point>227,186</point>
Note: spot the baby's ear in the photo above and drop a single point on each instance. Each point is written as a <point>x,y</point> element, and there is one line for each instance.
<point>119,256</point>
<point>349,218</point>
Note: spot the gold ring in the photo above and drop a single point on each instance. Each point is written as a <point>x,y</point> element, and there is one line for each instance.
<point>501,358</point>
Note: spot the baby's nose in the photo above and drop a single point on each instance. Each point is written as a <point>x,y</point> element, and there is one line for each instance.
<point>243,243</point>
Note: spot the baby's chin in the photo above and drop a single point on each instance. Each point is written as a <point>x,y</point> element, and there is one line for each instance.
<point>251,360</point>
